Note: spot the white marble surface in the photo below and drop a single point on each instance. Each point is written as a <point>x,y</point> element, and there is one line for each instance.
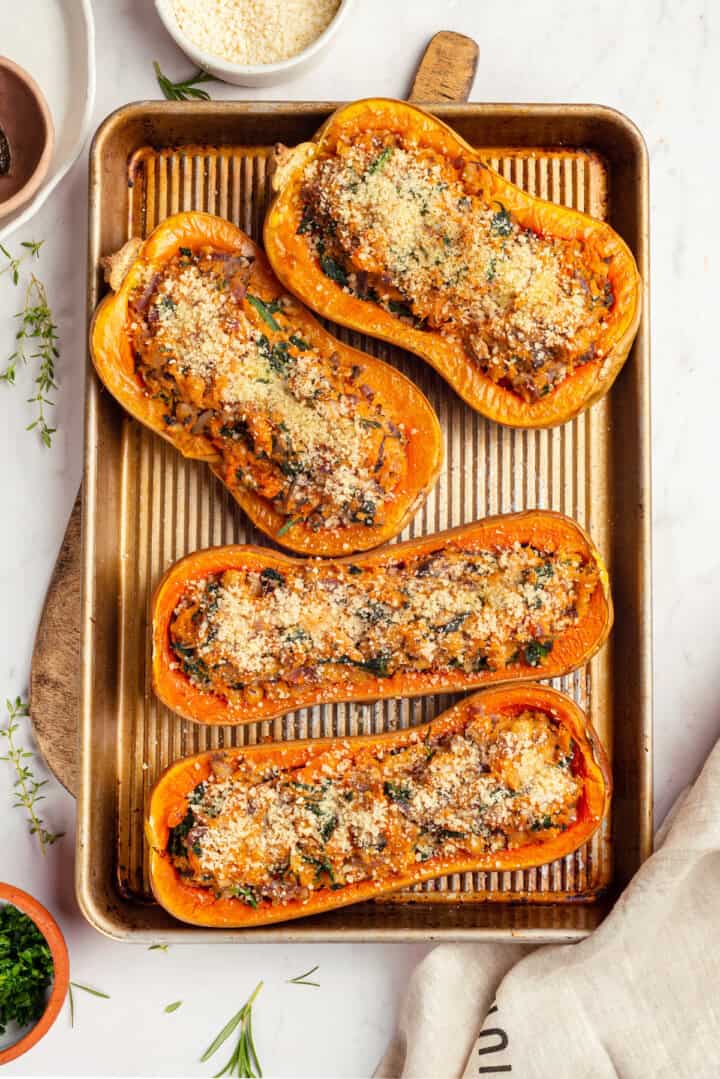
<point>659,63</point>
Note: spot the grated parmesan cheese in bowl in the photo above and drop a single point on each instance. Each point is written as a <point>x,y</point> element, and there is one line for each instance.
<point>252,42</point>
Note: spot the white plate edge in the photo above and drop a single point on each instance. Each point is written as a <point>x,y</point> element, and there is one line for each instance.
<point>47,188</point>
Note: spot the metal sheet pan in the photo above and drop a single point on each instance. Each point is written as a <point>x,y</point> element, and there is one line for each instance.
<point>145,507</point>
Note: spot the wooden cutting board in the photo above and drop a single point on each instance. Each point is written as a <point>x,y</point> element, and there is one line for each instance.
<point>445,73</point>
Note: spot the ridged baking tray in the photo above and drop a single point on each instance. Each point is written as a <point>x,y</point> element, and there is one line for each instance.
<point>145,507</point>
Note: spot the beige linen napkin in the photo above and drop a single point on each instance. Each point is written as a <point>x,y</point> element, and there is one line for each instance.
<point>640,998</point>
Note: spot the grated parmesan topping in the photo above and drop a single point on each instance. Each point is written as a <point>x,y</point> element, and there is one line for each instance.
<point>295,426</point>
<point>404,227</point>
<point>250,32</point>
<point>246,634</point>
<point>267,835</point>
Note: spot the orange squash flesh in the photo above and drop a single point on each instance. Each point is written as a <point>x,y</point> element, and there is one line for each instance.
<point>543,530</point>
<point>402,401</point>
<point>199,906</point>
<point>297,265</point>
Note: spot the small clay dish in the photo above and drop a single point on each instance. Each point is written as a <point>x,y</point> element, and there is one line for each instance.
<point>61,974</point>
<point>26,136</point>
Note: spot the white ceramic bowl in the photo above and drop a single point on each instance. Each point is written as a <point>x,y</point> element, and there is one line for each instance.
<point>62,60</point>
<point>256,74</point>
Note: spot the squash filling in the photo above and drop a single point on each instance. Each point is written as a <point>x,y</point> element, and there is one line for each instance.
<point>253,634</point>
<point>402,226</point>
<point>268,835</point>
<point>291,422</point>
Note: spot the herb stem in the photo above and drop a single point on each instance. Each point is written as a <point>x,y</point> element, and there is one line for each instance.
<point>244,1059</point>
<point>301,979</point>
<point>26,786</point>
<point>85,989</point>
<point>32,249</point>
<point>38,329</point>
<point>186,89</point>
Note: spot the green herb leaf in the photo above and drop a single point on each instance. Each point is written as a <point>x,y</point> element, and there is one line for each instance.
<point>177,836</point>
<point>158,947</point>
<point>240,891</point>
<point>535,652</point>
<point>86,989</point>
<point>172,1007</point>
<point>244,1059</point>
<point>301,979</point>
<point>541,823</point>
<point>397,793</point>
<point>287,526</point>
<point>185,90</point>
<point>379,664</point>
<point>381,160</point>
<point>454,624</point>
<point>501,222</point>
<point>266,310</point>
<point>89,989</point>
<point>333,270</point>
<point>299,343</point>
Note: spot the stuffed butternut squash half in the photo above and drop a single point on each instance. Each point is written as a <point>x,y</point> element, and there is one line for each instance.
<point>327,449</point>
<point>509,778</point>
<point>243,634</point>
<point>390,223</point>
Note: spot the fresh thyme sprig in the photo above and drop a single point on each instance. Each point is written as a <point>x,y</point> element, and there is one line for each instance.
<point>85,989</point>
<point>39,327</point>
<point>13,264</point>
<point>37,331</point>
<point>27,787</point>
<point>185,90</point>
<point>301,979</point>
<point>244,1058</point>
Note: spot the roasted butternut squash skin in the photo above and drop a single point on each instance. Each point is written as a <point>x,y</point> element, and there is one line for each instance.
<point>200,343</point>
<point>243,634</point>
<point>390,223</point>
<point>207,873</point>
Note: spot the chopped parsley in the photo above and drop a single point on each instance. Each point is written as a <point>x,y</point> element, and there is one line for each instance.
<point>26,969</point>
<point>333,270</point>
<point>536,651</point>
<point>501,222</point>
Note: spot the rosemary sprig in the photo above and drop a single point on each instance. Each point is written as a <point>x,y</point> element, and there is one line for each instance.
<point>244,1058</point>
<point>85,989</point>
<point>38,330</point>
<point>301,979</point>
<point>26,786</point>
<point>185,90</point>
<point>13,264</point>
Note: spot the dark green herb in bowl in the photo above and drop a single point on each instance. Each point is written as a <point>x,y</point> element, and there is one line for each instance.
<point>26,969</point>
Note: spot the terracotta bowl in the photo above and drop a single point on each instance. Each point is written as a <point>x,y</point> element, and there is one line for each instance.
<point>27,125</point>
<point>58,949</point>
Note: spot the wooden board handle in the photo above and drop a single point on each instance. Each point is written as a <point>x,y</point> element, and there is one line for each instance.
<point>55,672</point>
<point>447,69</point>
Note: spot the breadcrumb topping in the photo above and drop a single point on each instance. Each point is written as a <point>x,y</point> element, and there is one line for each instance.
<point>249,634</point>
<point>404,227</point>
<point>290,422</point>
<point>267,835</point>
